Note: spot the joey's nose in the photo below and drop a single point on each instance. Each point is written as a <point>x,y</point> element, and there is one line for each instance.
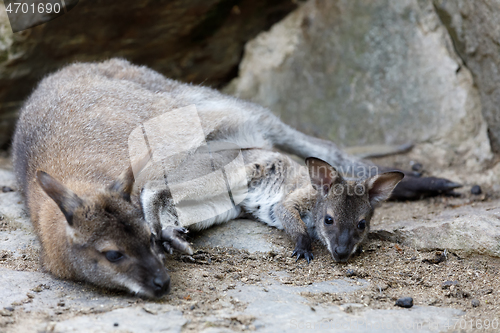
<point>161,284</point>
<point>342,252</point>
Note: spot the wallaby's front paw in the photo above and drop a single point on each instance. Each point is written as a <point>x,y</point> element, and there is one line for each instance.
<point>303,248</point>
<point>173,239</point>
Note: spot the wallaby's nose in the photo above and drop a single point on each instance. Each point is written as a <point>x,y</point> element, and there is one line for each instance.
<point>161,284</point>
<point>342,252</point>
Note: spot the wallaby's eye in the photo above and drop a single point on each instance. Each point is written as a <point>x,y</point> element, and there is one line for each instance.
<point>113,256</point>
<point>328,219</point>
<point>362,224</point>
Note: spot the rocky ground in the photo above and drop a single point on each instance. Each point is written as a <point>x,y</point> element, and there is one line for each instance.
<point>439,251</point>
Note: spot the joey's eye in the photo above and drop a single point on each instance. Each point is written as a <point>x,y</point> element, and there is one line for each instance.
<point>328,219</point>
<point>113,256</point>
<point>362,224</point>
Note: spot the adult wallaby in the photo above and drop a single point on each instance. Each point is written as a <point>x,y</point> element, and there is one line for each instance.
<point>73,157</point>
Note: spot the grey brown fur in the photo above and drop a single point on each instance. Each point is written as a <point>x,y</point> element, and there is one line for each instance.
<point>71,158</point>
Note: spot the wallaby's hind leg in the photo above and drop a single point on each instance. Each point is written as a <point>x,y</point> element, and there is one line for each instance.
<point>282,136</point>
<point>300,144</point>
<point>415,188</point>
<point>251,126</point>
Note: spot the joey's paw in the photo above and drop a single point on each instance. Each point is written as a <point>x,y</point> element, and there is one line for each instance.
<point>173,239</point>
<point>414,188</point>
<point>306,254</point>
<point>303,248</point>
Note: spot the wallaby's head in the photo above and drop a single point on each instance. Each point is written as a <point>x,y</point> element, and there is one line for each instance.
<point>344,208</point>
<point>108,242</point>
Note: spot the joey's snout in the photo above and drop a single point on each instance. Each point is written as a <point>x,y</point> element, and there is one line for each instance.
<point>342,246</point>
<point>342,253</point>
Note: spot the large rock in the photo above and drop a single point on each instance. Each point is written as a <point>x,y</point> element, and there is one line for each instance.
<point>474,26</point>
<point>276,308</point>
<point>468,229</point>
<point>191,40</point>
<point>240,234</point>
<point>367,71</point>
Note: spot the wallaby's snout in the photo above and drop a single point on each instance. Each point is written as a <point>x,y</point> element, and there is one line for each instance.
<point>161,284</point>
<point>153,277</point>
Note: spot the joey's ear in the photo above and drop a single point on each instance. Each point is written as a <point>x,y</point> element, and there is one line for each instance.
<point>380,187</point>
<point>322,174</point>
<point>67,201</point>
<point>124,184</point>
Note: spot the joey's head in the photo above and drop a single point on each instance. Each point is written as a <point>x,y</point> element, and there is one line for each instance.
<point>344,208</point>
<point>108,242</point>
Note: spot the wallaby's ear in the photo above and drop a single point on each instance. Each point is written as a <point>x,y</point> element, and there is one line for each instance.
<point>67,201</point>
<point>380,187</point>
<point>322,174</point>
<point>124,184</point>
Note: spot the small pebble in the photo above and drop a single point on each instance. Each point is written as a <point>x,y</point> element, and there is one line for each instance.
<point>192,307</point>
<point>405,302</point>
<point>417,167</point>
<point>6,189</point>
<point>476,190</point>
<point>381,287</point>
<point>350,273</point>
<point>440,257</point>
<point>474,303</point>
<point>5,313</point>
<point>486,291</point>
<point>115,324</point>
<point>9,308</point>
<point>448,284</point>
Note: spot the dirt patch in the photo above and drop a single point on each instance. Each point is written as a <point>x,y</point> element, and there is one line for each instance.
<point>7,224</point>
<point>27,259</point>
<point>394,271</point>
